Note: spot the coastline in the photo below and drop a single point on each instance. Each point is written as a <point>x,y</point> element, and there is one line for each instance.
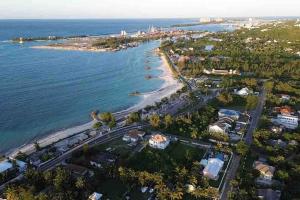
<point>170,86</point>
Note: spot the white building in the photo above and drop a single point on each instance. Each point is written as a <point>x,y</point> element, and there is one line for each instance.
<point>133,136</point>
<point>219,128</point>
<point>159,141</point>
<point>95,196</point>
<point>244,92</point>
<point>213,168</point>
<point>288,121</point>
<point>205,20</point>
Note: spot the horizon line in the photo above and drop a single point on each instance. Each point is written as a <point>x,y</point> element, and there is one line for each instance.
<point>112,18</point>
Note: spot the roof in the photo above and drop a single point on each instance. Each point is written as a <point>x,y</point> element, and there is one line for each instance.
<point>229,113</point>
<point>264,168</point>
<point>269,194</point>
<point>159,138</point>
<point>5,165</point>
<point>95,196</point>
<point>213,167</point>
<point>135,133</point>
<point>220,156</point>
<point>286,110</point>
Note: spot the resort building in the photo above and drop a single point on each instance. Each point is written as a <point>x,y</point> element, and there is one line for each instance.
<point>266,171</point>
<point>159,141</point>
<point>213,168</point>
<point>235,115</point>
<point>133,136</point>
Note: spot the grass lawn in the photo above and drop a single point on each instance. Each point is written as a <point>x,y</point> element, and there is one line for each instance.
<point>118,147</point>
<point>176,154</point>
<point>112,189</point>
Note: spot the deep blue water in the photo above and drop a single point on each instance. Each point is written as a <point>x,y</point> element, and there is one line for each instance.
<point>45,90</point>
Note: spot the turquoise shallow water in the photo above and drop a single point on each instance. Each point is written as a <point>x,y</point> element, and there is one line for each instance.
<point>45,90</point>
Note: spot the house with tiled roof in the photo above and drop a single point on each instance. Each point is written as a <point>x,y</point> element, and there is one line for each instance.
<point>159,141</point>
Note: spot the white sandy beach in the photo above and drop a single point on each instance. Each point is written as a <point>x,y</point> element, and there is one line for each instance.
<point>170,86</point>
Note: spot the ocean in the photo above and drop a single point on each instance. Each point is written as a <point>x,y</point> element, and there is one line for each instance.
<point>42,91</point>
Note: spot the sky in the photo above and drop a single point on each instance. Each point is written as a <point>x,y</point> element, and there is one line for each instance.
<point>77,9</point>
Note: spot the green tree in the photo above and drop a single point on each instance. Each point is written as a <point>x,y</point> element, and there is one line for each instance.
<point>106,117</point>
<point>225,98</point>
<point>168,121</point>
<point>251,102</point>
<point>97,125</point>
<point>133,117</point>
<point>154,120</point>
<point>242,148</point>
<point>80,183</point>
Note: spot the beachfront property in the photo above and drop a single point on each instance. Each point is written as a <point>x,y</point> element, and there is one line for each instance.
<point>222,72</point>
<point>159,141</point>
<point>266,171</point>
<point>213,166</point>
<point>8,165</point>
<point>133,136</point>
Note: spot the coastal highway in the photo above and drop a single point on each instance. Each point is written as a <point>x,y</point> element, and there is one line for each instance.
<point>100,139</point>
<point>231,174</point>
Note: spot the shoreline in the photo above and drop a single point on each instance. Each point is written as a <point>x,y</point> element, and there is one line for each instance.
<point>170,86</point>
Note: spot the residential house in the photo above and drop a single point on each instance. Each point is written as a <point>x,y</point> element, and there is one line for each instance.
<point>281,144</point>
<point>213,168</point>
<point>7,165</point>
<point>285,97</point>
<point>288,121</point>
<point>223,125</point>
<point>268,194</point>
<point>243,92</point>
<point>235,115</point>
<point>266,171</point>
<point>103,159</point>
<point>159,141</point>
<point>95,196</point>
<point>133,136</point>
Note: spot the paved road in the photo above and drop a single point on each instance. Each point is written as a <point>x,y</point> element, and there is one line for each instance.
<point>92,142</point>
<point>231,173</point>
<point>100,139</point>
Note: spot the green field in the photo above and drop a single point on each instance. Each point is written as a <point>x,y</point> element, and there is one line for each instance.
<point>165,161</point>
